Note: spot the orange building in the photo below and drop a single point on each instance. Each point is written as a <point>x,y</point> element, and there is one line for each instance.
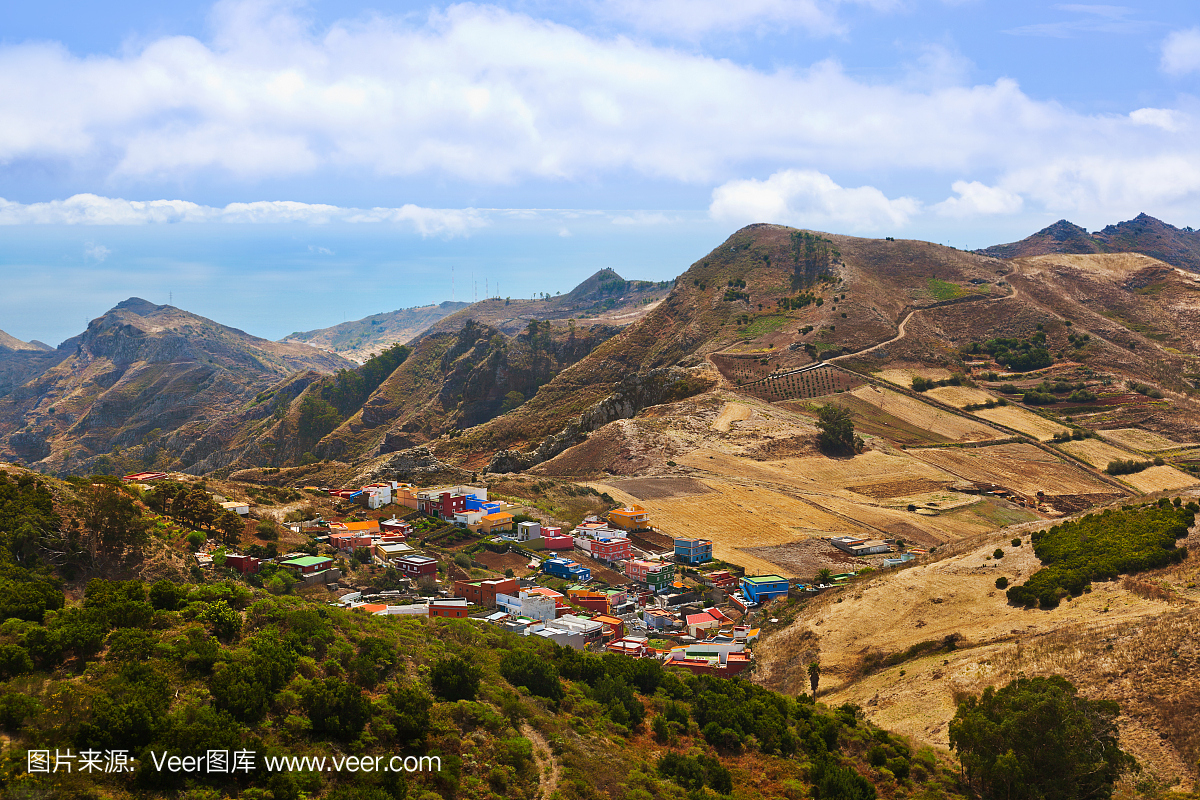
<point>630,518</point>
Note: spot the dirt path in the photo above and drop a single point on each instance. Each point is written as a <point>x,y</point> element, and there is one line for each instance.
<point>548,769</point>
<point>731,413</point>
<point>901,328</point>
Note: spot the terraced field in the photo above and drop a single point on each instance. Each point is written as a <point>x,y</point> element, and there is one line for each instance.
<point>951,427</point>
<point>1158,479</point>
<point>959,396</point>
<point>1022,420</point>
<point>1020,467</point>
<point>1097,453</point>
<point>1137,439</point>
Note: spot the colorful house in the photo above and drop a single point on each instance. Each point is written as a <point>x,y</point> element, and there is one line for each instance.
<point>528,604</point>
<point>710,658</point>
<point>567,569</point>
<point>556,542</point>
<point>243,564</point>
<point>496,521</point>
<point>659,620</point>
<point>483,592</point>
<point>693,551</point>
<point>610,550</point>
<point>630,518</point>
<point>416,566</point>
<point>632,646</point>
<point>307,565</point>
<point>698,624</point>
<point>762,588</point>
<point>451,607</point>
<point>614,627</point>
<point>368,527</point>
<point>657,575</point>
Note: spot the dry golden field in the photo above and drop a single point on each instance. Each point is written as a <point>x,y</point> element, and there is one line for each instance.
<point>1019,419</point>
<point>1022,468</point>
<point>925,416</point>
<point>736,517</point>
<point>959,396</point>
<point>1138,439</point>
<point>1097,453</point>
<point>1158,479</point>
<point>903,377</point>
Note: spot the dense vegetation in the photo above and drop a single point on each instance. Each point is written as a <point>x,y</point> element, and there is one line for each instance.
<point>1037,739</point>
<point>1103,546</point>
<point>837,431</point>
<point>813,257</point>
<point>337,397</point>
<point>1019,355</point>
<point>920,384</point>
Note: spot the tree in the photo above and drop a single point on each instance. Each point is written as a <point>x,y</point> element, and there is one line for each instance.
<point>837,431</point>
<point>814,676</point>
<point>231,527</point>
<point>528,669</point>
<point>1036,738</point>
<point>454,679</point>
<point>114,520</point>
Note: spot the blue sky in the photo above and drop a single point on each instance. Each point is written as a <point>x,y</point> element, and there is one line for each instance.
<point>281,165</point>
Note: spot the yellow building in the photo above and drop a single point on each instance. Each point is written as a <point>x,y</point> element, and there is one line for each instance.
<point>496,521</point>
<point>630,518</point>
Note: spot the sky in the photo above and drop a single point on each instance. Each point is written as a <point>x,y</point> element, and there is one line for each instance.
<point>282,166</point>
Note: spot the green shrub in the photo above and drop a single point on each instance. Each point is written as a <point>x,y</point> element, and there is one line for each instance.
<point>1016,542</point>
<point>455,679</point>
<point>1002,582</point>
<point>1101,547</point>
<point>998,553</point>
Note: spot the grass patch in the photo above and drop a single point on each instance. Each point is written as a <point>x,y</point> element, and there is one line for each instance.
<point>1102,546</point>
<point>944,290</point>
<point>760,326</point>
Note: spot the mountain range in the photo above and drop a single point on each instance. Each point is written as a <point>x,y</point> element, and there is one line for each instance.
<point>510,383</point>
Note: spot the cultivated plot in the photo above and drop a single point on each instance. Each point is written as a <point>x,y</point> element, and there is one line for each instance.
<point>960,396</point>
<point>903,377</point>
<point>1097,453</point>
<point>1137,439</point>
<point>1158,479</point>
<point>1019,419</point>
<point>924,416</point>
<point>1022,468</point>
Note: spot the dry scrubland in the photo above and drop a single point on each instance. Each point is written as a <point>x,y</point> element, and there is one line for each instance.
<point>1116,642</point>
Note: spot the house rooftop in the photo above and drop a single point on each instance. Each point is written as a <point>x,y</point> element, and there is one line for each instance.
<point>763,579</point>
<point>307,561</point>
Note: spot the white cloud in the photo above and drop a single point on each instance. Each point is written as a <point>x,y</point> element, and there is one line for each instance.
<point>1166,118</point>
<point>321,251</point>
<point>976,199</point>
<point>692,19</point>
<point>95,252</point>
<point>478,95</point>
<point>90,209</point>
<point>645,218</point>
<point>1181,52</point>
<point>809,199</point>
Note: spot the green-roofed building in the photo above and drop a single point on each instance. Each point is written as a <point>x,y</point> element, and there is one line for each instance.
<point>306,565</point>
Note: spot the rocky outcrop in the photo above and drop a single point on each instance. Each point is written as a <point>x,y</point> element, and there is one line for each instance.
<point>415,465</point>
<point>633,394</point>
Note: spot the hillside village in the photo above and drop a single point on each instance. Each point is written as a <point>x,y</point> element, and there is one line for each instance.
<point>607,585</point>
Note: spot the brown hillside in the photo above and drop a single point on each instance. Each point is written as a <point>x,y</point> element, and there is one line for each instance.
<point>143,375</point>
<point>1179,247</point>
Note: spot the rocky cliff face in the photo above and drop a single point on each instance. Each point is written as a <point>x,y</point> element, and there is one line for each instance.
<point>633,394</point>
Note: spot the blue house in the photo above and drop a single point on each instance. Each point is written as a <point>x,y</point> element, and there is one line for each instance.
<point>693,551</point>
<point>761,588</point>
<point>567,569</point>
